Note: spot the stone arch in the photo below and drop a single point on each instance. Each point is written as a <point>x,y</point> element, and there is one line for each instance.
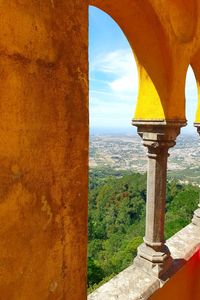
<point>149,42</point>
<point>117,60</point>
<point>183,19</point>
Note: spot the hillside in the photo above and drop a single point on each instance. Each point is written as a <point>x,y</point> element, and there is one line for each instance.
<point>116,218</point>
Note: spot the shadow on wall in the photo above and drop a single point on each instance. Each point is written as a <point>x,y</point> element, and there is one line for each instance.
<point>185,285</point>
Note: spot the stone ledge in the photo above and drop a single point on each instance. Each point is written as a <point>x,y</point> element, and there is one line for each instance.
<point>130,284</point>
<point>185,243</point>
<point>135,284</point>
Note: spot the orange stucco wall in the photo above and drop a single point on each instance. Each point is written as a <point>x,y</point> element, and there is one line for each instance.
<point>184,285</point>
<point>43,149</point>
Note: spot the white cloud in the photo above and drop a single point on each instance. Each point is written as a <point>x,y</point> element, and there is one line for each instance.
<point>126,84</point>
<point>113,89</point>
<point>111,115</point>
<point>102,97</point>
<point>121,66</point>
<point>114,86</point>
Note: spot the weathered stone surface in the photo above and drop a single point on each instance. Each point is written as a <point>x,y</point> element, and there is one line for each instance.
<point>184,280</point>
<point>131,284</point>
<point>135,284</point>
<point>43,149</point>
<point>164,36</point>
<point>153,255</point>
<point>185,243</point>
<point>196,216</point>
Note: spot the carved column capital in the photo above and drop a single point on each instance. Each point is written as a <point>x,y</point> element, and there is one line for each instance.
<point>163,133</point>
<point>197,125</point>
<point>158,137</point>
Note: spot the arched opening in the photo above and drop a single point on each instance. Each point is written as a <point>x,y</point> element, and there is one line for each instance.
<point>112,207</point>
<point>151,48</point>
<point>184,165</point>
<point>113,76</point>
<point>191,95</point>
<point>116,225</point>
<point>117,198</point>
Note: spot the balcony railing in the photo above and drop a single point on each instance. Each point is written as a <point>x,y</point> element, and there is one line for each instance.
<point>134,283</point>
<point>158,261</point>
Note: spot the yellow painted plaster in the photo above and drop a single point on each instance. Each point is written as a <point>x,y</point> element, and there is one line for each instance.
<point>164,37</point>
<point>148,99</point>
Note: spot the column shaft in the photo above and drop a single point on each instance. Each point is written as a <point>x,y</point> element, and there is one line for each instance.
<point>196,216</point>
<point>156,194</point>
<point>153,255</point>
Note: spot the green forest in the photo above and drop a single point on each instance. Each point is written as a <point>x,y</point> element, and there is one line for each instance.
<point>116,219</point>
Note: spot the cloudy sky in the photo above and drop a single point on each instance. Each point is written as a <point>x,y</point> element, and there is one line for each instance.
<point>114,79</point>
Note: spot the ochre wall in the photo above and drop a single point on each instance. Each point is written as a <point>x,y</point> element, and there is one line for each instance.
<point>185,285</point>
<point>43,149</point>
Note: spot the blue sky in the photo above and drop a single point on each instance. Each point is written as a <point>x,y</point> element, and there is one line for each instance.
<point>114,79</point>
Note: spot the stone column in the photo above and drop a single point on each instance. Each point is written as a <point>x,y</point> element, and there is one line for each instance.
<point>196,216</point>
<point>153,254</point>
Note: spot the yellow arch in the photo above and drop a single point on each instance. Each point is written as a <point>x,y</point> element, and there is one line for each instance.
<point>163,36</point>
<point>149,45</point>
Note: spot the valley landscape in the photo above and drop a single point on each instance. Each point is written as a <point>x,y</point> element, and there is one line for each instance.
<point>126,152</point>
<point>117,199</point>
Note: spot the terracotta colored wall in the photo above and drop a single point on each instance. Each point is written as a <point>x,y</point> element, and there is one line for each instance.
<point>43,149</point>
<point>185,285</point>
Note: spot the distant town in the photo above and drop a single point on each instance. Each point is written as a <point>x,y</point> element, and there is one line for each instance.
<point>125,152</point>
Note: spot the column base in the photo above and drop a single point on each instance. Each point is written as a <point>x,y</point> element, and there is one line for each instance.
<point>196,217</point>
<point>153,262</point>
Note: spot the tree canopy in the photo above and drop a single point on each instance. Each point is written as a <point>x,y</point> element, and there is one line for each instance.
<point>116,220</point>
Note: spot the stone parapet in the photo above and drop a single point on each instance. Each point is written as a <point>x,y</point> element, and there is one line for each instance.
<point>135,284</point>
